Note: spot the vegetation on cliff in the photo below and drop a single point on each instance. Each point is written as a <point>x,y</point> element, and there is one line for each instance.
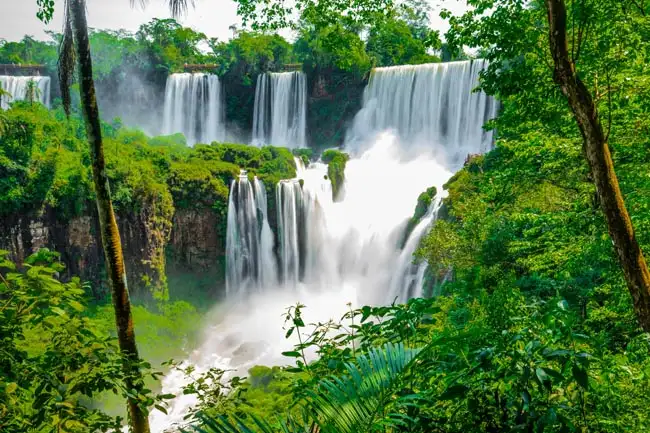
<point>534,330</point>
<point>425,200</point>
<point>336,162</point>
<point>45,170</point>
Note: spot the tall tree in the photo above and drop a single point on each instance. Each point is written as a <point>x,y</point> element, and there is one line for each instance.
<point>599,158</point>
<point>76,36</point>
<point>75,45</point>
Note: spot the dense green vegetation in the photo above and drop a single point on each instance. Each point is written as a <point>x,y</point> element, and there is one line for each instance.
<point>45,172</point>
<point>532,329</point>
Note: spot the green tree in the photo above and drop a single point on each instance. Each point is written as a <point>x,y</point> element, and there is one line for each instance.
<point>76,45</point>
<point>598,155</point>
<point>391,41</point>
<point>587,49</point>
<point>32,92</point>
<point>171,45</point>
<point>76,38</point>
<point>331,46</point>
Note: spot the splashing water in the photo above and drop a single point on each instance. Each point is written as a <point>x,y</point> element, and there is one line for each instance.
<point>351,251</point>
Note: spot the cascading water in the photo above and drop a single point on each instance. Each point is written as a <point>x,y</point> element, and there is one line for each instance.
<point>19,88</point>
<point>431,106</point>
<point>289,199</point>
<point>403,141</point>
<point>250,265</point>
<point>194,107</point>
<point>280,111</point>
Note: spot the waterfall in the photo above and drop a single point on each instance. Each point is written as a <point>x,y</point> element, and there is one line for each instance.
<point>407,282</point>
<point>416,126</point>
<point>18,87</point>
<point>280,110</point>
<point>194,107</point>
<point>431,106</point>
<point>290,221</point>
<point>250,265</point>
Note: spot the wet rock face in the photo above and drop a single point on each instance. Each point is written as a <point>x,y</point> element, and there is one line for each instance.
<point>77,240</point>
<point>197,242</point>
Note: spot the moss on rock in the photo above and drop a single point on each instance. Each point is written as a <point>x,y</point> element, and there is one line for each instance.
<point>424,202</point>
<point>336,162</point>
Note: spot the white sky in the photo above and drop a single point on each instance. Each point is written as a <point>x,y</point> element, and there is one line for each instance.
<point>212,17</point>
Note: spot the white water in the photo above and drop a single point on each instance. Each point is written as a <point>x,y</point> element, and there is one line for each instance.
<point>280,111</point>
<point>349,251</point>
<point>18,87</point>
<point>250,265</point>
<point>430,106</point>
<point>194,107</point>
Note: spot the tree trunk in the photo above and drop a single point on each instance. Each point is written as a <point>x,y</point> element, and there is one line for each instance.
<point>596,151</point>
<point>108,226</point>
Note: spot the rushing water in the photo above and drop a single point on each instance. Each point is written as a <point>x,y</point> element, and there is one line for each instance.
<point>18,88</point>
<point>280,112</point>
<point>417,125</point>
<point>431,106</point>
<point>250,264</point>
<point>194,107</point>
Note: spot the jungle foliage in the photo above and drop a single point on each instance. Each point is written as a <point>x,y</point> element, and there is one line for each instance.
<point>45,170</point>
<point>533,330</point>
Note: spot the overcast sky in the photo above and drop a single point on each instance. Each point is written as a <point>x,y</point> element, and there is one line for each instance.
<point>212,17</point>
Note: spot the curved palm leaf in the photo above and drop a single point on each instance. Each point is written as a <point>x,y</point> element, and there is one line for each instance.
<point>177,7</point>
<point>354,403</point>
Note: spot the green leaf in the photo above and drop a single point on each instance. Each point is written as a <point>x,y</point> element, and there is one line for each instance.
<point>76,306</point>
<point>292,354</point>
<point>580,375</point>
<point>453,392</point>
<point>11,387</point>
<point>553,373</point>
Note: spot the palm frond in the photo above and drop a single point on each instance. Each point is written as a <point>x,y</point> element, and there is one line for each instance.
<point>176,7</point>
<point>235,424</point>
<point>353,403</point>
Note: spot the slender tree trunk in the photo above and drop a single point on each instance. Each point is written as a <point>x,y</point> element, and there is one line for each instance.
<point>596,151</point>
<point>108,226</point>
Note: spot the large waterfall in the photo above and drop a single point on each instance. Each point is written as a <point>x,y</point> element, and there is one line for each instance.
<point>18,89</point>
<point>416,126</point>
<point>280,111</point>
<point>431,106</point>
<point>194,107</point>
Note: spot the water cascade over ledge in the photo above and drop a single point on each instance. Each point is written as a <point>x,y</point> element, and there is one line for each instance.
<point>416,127</point>
<point>429,106</point>
<point>280,111</point>
<point>194,107</point>
<point>19,87</point>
